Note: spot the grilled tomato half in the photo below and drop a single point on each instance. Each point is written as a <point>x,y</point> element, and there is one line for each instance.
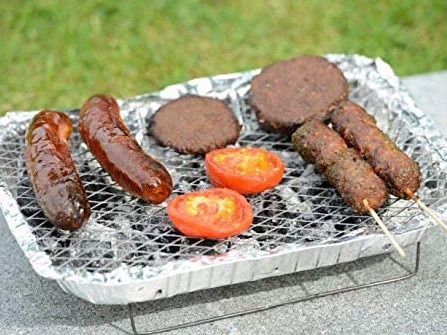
<point>246,170</point>
<point>213,213</point>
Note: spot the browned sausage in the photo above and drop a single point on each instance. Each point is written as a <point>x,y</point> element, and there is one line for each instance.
<point>395,167</point>
<point>54,179</point>
<point>110,141</point>
<point>352,177</point>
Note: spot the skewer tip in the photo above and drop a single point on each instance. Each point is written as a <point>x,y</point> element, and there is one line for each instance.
<point>379,221</point>
<point>427,210</point>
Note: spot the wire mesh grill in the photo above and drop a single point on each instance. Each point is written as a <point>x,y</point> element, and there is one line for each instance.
<point>303,210</point>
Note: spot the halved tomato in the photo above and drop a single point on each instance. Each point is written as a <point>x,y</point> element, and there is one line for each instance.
<point>212,213</point>
<point>246,170</point>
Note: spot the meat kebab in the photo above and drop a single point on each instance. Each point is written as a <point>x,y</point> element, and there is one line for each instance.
<point>352,177</point>
<point>359,130</point>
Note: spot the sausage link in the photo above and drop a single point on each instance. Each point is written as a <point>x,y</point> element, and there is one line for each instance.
<point>351,176</point>
<point>54,179</point>
<point>395,167</point>
<point>110,141</point>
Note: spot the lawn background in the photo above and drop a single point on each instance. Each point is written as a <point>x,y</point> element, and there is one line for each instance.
<point>55,54</point>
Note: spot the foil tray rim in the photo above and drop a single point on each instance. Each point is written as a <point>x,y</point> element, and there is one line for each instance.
<point>246,269</point>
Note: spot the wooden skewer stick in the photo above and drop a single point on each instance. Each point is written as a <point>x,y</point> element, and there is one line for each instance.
<point>427,210</point>
<point>384,228</point>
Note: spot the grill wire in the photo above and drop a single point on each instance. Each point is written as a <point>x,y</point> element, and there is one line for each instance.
<point>303,210</point>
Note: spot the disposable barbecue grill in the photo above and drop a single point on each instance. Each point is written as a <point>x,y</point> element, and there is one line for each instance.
<point>129,252</point>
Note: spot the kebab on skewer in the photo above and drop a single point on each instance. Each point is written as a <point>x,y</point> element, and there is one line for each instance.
<point>353,178</point>
<point>401,173</point>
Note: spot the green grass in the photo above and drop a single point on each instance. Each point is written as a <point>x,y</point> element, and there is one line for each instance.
<point>54,54</point>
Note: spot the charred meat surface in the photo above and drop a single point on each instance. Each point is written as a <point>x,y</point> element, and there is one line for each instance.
<point>395,167</point>
<point>110,141</point>
<point>352,177</point>
<point>318,145</point>
<point>287,93</point>
<point>52,172</point>
<point>194,124</point>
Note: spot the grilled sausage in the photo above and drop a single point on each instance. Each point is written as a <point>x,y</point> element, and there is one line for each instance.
<point>110,141</point>
<point>54,179</point>
<point>359,130</point>
<point>352,177</point>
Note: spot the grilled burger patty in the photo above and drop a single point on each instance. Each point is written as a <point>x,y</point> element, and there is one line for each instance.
<point>287,93</point>
<point>194,124</point>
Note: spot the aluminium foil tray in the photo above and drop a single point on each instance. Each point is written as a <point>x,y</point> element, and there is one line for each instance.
<point>129,252</point>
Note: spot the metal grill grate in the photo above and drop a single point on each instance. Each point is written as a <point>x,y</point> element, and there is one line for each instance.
<point>304,209</point>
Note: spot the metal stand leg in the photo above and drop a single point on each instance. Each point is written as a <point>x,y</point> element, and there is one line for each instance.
<point>409,274</point>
